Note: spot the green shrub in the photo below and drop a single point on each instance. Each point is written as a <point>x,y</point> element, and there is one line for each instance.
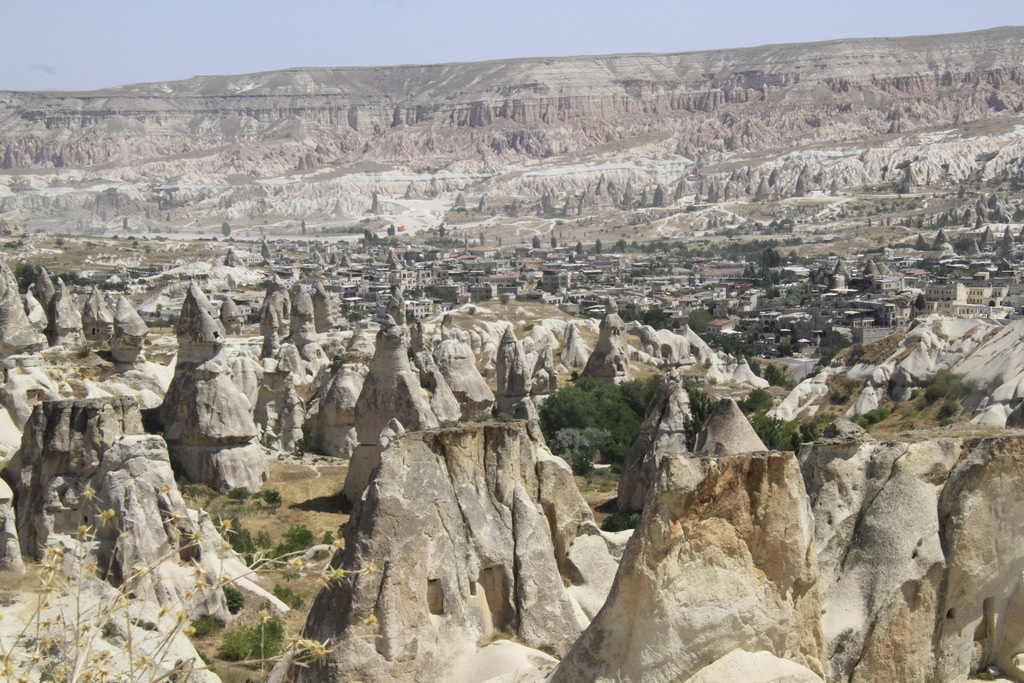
<point>263,540</point>
<point>240,538</point>
<point>873,417</point>
<point>620,521</point>
<point>234,598</point>
<point>287,596</point>
<point>238,494</point>
<point>298,537</point>
<point>757,401</point>
<point>259,641</point>
<point>206,625</point>
<point>271,497</point>
<point>949,408</point>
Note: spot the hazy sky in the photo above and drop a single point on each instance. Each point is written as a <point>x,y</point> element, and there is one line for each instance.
<point>84,44</point>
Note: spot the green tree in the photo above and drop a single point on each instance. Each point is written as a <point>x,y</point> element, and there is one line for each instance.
<point>701,407</point>
<point>598,247</point>
<point>225,229</point>
<point>536,241</point>
<point>698,320</point>
<point>757,401</point>
<point>592,404</point>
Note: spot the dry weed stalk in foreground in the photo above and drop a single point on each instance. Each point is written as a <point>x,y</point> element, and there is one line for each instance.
<point>82,628</point>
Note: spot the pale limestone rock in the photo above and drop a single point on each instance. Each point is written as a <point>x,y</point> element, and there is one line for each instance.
<point>10,549</point>
<point>233,260</point>
<point>302,336</point>
<point>455,523</point>
<point>728,432</point>
<point>457,364</point>
<point>330,424</point>
<point>754,667</point>
<point>921,574</point>
<point>128,334</point>
<point>513,379</point>
<point>574,352</point>
<point>209,427</point>
<point>270,326</point>
<point>609,361</point>
<point>323,314</point>
<point>74,447</point>
<point>277,299</point>
<point>65,322</point>
<point>723,558</point>
<point>35,311</point>
<point>16,331</point>
<point>44,288</point>
<point>544,379</point>
<point>97,317</point>
<point>442,401</point>
<point>391,389</point>
<point>279,409</point>
<point>662,433</point>
<point>230,317</point>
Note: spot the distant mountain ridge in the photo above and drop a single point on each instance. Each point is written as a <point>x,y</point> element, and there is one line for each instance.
<point>681,119</point>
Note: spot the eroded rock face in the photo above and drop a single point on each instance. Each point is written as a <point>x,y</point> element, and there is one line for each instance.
<point>208,421</point>
<point>97,317</point>
<point>544,379</point>
<point>16,332</point>
<point>920,566</point>
<point>302,335</point>
<point>129,333</point>
<point>81,458</point>
<point>10,549</point>
<point>323,314</point>
<point>513,379</point>
<point>331,413</point>
<point>610,360</point>
<point>391,390</point>
<point>662,433</point>
<point>442,401</point>
<point>457,363</point>
<point>574,352</point>
<point>230,317</point>
<point>723,558</point>
<point>65,322</point>
<point>458,525</point>
<point>728,432</point>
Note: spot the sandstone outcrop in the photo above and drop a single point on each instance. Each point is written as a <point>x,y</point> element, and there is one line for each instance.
<point>513,379</point>
<point>663,433</point>
<point>458,524</point>
<point>35,311</point>
<point>728,432</point>
<point>129,333</point>
<point>723,559</point>
<point>391,390</point>
<point>278,408</point>
<point>544,379</point>
<point>921,577</point>
<point>303,337</point>
<point>442,401</point>
<point>43,288</point>
<point>16,332</point>
<point>65,322</point>
<point>81,458</point>
<point>323,311</point>
<point>330,424</point>
<point>457,364</point>
<point>230,317</point>
<point>97,317</point>
<point>574,353</point>
<point>10,548</point>
<point>609,361</point>
<point>209,427</point>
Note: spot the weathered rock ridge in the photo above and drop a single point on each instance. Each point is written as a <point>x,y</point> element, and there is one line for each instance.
<point>463,531</point>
